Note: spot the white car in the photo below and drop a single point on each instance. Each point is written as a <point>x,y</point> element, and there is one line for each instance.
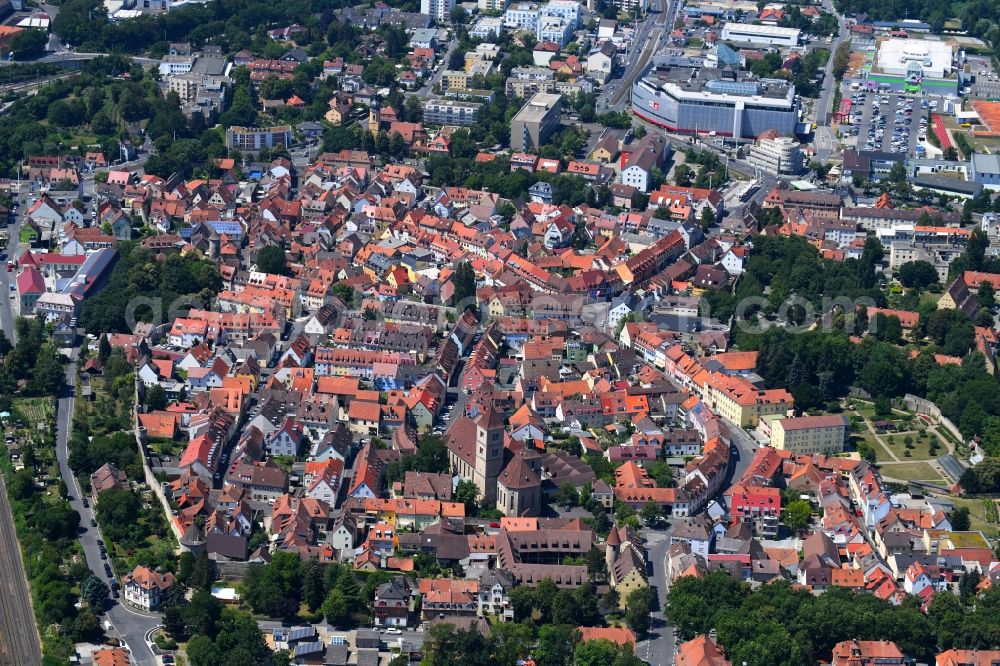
<point>393,630</point>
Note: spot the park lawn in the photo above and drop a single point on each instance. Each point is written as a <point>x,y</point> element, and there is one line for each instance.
<point>881,455</point>
<point>911,471</point>
<point>920,450</point>
<point>977,515</point>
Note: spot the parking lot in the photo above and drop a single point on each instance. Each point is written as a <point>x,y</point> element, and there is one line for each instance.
<point>889,122</point>
<point>987,83</point>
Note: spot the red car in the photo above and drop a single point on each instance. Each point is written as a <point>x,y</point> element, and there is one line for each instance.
<point>10,266</point>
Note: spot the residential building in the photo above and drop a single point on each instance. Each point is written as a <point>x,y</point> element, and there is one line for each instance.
<point>451,112</point>
<point>144,588</point>
<point>810,434</point>
<point>536,120</point>
<point>252,139</point>
<point>439,10</point>
<point>867,653</point>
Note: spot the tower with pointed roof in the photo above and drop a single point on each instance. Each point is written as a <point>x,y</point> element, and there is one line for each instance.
<point>489,453</point>
<point>374,118</point>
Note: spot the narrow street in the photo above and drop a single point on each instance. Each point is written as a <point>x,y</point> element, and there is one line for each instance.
<point>658,648</point>
<point>130,625</point>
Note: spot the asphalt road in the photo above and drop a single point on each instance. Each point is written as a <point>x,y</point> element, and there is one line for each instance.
<point>825,140</point>
<point>658,648</point>
<point>128,624</point>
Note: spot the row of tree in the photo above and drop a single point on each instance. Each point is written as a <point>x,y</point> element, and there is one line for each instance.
<point>778,625</point>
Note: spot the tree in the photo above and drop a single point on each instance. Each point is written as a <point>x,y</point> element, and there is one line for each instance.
<point>274,589</point>
<point>94,591</point>
<point>917,274</point>
<point>173,623</point>
<point>597,565</point>
<point>707,218</point>
<point>467,492</point>
<point>638,606</point>
<point>201,651</point>
<point>156,397</point>
<point>651,513</point>
<point>960,519</point>
<point>555,645</point>
<point>336,608</point>
<point>897,174</point>
<point>313,585</point>
<point>271,259</point>
<point>202,572</point>
<point>985,295</point>
<point>29,44</point>
<point>465,286</point>
<point>5,345</point>
<point>600,652</point>
<point>796,515</point>
<point>567,495</point>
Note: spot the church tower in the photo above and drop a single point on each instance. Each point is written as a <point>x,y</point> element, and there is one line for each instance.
<point>489,453</point>
<point>374,118</point>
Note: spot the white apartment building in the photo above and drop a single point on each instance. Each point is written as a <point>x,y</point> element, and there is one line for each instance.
<point>439,10</point>
<point>487,27</point>
<point>492,5</point>
<point>567,9</point>
<point>173,65</point>
<point>778,155</point>
<point>630,6</point>
<point>554,29</point>
<point>522,16</point>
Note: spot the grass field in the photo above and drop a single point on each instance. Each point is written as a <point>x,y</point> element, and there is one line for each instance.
<point>920,450</point>
<point>978,519</point>
<point>911,471</point>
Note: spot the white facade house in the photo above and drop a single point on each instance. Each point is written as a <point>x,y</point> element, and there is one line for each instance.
<point>144,588</point>
<point>638,171</point>
<point>601,63</point>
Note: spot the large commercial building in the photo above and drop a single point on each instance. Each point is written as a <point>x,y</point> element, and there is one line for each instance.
<point>687,99</point>
<point>778,155</point>
<point>770,35</point>
<point>810,434</point>
<point>915,58</point>
<point>536,120</point>
<point>451,112</point>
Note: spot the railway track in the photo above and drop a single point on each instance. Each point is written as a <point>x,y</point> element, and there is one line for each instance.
<point>19,641</point>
